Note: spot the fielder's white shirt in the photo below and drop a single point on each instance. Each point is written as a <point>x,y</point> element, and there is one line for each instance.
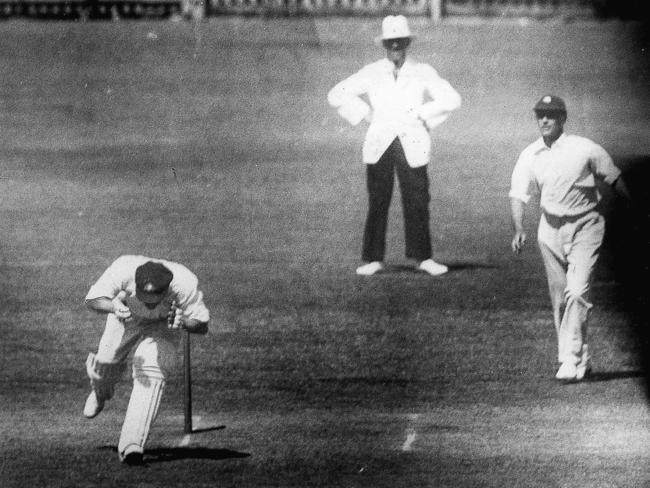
<point>183,289</point>
<point>419,99</point>
<point>564,175</point>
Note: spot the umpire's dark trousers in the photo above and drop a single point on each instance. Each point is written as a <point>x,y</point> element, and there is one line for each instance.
<point>414,187</point>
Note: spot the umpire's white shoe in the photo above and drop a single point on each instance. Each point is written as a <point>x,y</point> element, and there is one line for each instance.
<point>93,405</point>
<point>431,267</point>
<point>370,268</point>
<point>567,372</point>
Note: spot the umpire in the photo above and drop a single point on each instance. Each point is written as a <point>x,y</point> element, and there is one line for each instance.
<point>407,99</point>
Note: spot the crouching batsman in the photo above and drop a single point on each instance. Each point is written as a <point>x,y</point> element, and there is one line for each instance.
<point>148,301</point>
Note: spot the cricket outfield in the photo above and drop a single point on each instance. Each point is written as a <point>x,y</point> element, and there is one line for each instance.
<point>213,145</point>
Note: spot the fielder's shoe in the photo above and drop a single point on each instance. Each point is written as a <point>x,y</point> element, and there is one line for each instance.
<point>370,268</point>
<point>583,371</point>
<point>93,405</point>
<point>132,456</point>
<point>583,368</point>
<point>568,372</point>
<point>433,268</point>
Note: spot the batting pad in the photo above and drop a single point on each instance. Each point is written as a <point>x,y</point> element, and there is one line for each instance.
<point>103,376</point>
<point>148,386</point>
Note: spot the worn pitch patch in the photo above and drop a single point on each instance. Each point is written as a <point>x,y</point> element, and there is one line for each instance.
<point>411,434</point>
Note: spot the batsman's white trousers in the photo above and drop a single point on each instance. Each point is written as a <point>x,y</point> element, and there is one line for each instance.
<point>154,358</point>
<point>570,247</point>
<point>156,346</point>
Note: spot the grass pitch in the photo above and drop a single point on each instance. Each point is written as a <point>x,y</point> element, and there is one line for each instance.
<point>214,146</point>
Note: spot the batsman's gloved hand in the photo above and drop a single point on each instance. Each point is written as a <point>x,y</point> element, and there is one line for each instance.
<point>121,311</point>
<point>175,317</point>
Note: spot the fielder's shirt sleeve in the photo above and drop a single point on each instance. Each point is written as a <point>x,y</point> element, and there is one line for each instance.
<point>602,165</point>
<point>523,184</point>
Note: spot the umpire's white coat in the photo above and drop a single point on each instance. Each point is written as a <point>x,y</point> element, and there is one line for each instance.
<point>419,99</point>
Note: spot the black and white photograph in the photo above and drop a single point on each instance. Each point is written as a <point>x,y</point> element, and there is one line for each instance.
<point>324,243</point>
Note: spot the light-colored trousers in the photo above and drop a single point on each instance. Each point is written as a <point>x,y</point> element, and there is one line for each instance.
<point>156,346</point>
<point>154,359</point>
<point>570,247</point>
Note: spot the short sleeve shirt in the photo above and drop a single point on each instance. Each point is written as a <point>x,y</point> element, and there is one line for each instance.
<point>563,175</point>
<point>183,289</point>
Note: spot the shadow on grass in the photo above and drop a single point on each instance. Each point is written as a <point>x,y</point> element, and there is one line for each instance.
<point>392,269</point>
<point>167,454</point>
<point>459,266</point>
<point>208,429</point>
<point>598,376</point>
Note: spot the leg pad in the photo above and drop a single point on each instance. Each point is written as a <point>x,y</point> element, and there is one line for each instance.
<point>148,386</point>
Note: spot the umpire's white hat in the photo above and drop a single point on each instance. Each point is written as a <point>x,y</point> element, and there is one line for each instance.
<point>394,27</point>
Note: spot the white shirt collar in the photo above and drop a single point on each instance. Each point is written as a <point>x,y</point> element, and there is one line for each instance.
<point>388,66</point>
<point>541,145</point>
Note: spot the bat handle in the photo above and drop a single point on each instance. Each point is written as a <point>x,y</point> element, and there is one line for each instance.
<point>187,383</point>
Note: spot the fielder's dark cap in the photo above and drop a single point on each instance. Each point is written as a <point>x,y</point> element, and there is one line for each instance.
<point>550,103</point>
<point>151,279</point>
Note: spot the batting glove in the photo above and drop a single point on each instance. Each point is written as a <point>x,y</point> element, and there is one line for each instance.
<point>121,311</point>
<point>175,317</point>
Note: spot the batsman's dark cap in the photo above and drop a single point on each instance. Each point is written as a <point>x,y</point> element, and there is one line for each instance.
<point>152,278</point>
<point>550,103</point>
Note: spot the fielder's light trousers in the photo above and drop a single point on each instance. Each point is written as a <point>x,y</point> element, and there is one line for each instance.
<point>414,188</point>
<point>570,248</point>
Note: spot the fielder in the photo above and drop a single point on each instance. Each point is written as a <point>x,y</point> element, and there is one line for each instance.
<point>148,301</point>
<point>408,99</point>
<point>562,169</point>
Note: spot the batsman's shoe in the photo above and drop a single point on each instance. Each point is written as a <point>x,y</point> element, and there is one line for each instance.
<point>370,268</point>
<point>431,267</point>
<point>132,456</point>
<point>93,405</point>
<point>568,372</point>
